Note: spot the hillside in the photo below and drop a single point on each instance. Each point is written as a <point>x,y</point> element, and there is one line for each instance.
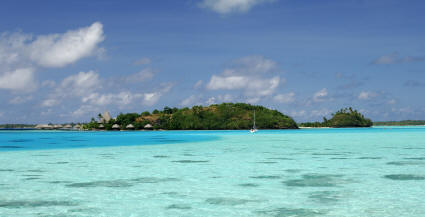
<point>346,117</point>
<point>225,116</point>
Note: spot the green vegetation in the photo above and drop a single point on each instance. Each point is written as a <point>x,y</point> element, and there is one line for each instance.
<point>225,116</point>
<point>16,126</point>
<point>399,123</point>
<point>347,117</point>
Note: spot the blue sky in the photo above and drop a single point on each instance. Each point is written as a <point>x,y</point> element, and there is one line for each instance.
<point>66,61</point>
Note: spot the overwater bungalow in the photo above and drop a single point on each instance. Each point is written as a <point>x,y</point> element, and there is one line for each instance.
<point>129,127</point>
<point>148,127</point>
<point>116,127</point>
<point>101,126</point>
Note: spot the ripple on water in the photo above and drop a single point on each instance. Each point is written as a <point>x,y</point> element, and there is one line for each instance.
<point>297,212</point>
<point>404,177</point>
<point>179,206</point>
<point>161,156</point>
<point>415,158</point>
<point>10,146</point>
<point>265,177</point>
<point>405,163</point>
<point>35,203</point>
<point>250,185</point>
<point>21,140</point>
<point>369,158</point>
<point>325,196</point>
<point>109,184</point>
<point>190,161</point>
<point>6,170</point>
<point>227,201</point>
<point>315,180</point>
<point>153,180</point>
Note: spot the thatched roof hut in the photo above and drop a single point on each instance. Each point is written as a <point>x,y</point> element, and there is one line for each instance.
<point>68,126</point>
<point>130,127</point>
<point>116,127</point>
<point>148,126</point>
<point>44,127</point>
<point>101,126</point>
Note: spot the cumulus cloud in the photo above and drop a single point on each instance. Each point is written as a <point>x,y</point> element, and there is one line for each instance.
<point>20,100</point>
<point>230,6</point>
<point>143,61</point>
<point>58,50</point>
<point>394,58</point>
<point>320,95</point>
<point>143,75</point>
<point>367,95</point>
<point>198,84</point>
<point>285,98</point>
<point>254,75</point>
<point>18,80</point>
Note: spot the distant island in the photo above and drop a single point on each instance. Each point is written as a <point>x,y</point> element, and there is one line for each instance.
<point>347,117</point>
<point>400,123</point>
<point>225,116</point>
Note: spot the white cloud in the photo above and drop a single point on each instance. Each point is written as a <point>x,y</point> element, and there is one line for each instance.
<point>20,100</point>
<point>367,95</point>
<point>191,100</point>
<point>394,58</point>
<point>18,80</point>
<point>249,74</point>
<point>285,98</point>
<point>58,50</point>
<point>144,75</point>
<point>143,61</point>
<point>229,6</point>
<point>320,95</point>
<point>198,84</point>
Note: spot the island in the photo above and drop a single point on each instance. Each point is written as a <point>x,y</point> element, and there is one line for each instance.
<point>346,117</point>
<point>225,116</point>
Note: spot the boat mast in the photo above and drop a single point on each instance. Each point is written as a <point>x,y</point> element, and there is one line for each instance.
<point>254,127</point>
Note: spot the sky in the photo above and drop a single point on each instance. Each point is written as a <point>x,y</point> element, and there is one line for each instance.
<point>67,61</point>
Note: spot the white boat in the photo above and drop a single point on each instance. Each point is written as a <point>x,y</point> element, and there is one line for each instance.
<point>254,128</point>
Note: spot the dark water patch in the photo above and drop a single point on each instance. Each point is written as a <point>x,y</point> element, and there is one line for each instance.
<point>109,184</point>
<point>6,170</point>
<point>339,158</point>
<point>59,182</point>
<point>40,155</point>
<point>288,212</point>
<point>190,161</point>
<point>369,158</point>
<point>325,197</point>
<point>21,140</point>
<point>31,175</point>
<point>329,154</point>
<point>83,210</point>
<point>189,155</point>
<point>227,201</point>
<point>215,177</point>
<point>153,180</point>
<point>161,156</point>
<point>414,148</point>
<point>31,178</point>
<point>36,203</point>
<point>45,138</point>
<point>405,163</point>
<point>11,146</point>
<point>404,177</point>
<point>36,171</point>
<point>59,162</point>
<point>315,180</point>
<point>265,177</point>
<point>78,140</point>
<point>53,143</point>
<point>250,185</point>
<point>266,162</point>
<point>415,158</point>
<point>179,206</point>
<point>293,170</point>
<point>280,158</point>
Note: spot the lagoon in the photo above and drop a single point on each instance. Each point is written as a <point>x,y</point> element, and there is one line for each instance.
<point>376,171</point>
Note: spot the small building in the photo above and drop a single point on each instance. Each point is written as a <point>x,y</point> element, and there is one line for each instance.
<point>116,127</point>
<point>129,127</point>
<point>68,126</point>
<point>101,126</point>
<point>148,127</point>
<point>77,127</point>
<point>44,127</point>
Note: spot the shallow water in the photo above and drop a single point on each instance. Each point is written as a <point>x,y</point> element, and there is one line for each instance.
<point>309,172</point>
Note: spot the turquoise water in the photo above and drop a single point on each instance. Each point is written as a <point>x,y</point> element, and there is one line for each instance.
<point>309,172</point>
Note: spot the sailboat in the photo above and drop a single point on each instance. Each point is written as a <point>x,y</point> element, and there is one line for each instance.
<point>254,128</point>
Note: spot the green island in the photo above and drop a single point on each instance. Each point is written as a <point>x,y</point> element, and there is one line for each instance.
<point>225,116</point>
<point>400,123</point>
<point>347,117</point>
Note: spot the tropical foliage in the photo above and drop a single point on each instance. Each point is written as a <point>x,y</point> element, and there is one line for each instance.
<point>347,117</point>
<point>225,116</point>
